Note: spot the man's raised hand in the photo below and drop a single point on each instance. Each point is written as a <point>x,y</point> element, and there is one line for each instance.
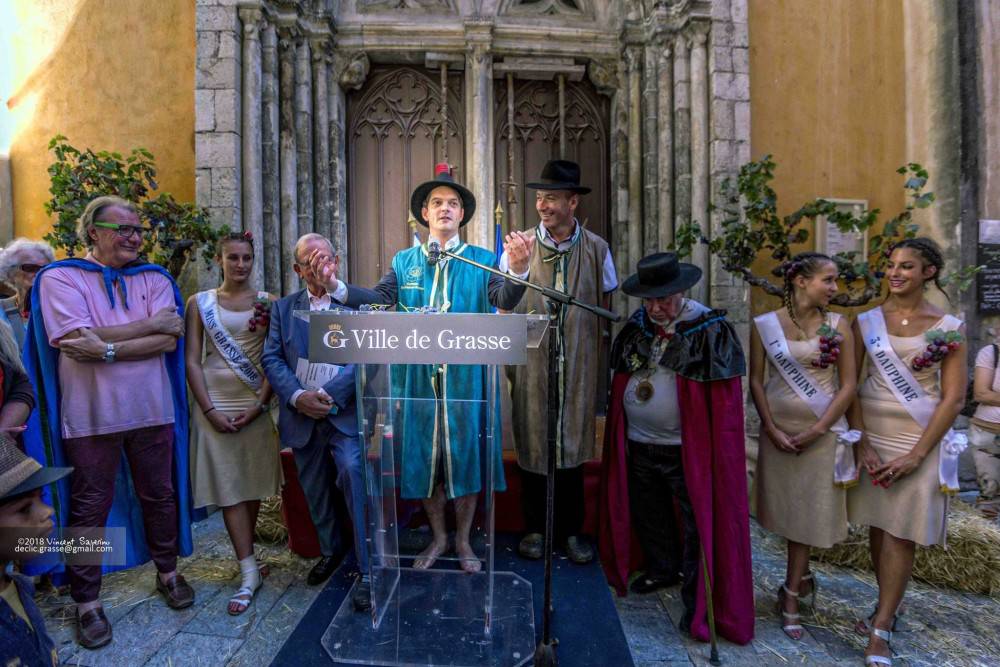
<point>324,267</point>
<point>518,246</point>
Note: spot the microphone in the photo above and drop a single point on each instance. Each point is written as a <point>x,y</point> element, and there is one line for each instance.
<point>433,252</point>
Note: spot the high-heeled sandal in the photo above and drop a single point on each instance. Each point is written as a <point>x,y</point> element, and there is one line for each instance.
<point>792,628</point>
<point>864,627</point>
<point>810,597</point>
<point>885,636</point>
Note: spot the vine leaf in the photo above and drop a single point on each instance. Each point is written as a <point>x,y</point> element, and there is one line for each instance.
<point>752,228</point>
<point>178,229</point>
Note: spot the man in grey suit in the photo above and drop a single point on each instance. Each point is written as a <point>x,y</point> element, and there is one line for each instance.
<point>320,426</point>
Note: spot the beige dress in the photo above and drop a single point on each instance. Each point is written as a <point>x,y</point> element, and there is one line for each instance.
<point>914,507</point>
<point>795,494</point>
<point>229,468</point>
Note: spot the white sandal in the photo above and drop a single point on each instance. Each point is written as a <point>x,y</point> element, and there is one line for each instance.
<point>885,636</point>
<point>261,571</point>
<point>243,603</point>
<point>793,626</point>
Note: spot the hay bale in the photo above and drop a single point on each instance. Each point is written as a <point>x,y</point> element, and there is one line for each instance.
<point>270,524</point>
<point>971,562</point>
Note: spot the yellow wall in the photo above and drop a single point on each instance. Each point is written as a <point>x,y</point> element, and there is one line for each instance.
<point>827,100</point>
<point>108,74</point>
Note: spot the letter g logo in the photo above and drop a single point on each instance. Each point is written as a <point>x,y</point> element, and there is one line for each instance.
<point>335,340</point>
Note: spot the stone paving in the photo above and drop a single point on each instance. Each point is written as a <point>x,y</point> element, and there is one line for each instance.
<point>148,633</point>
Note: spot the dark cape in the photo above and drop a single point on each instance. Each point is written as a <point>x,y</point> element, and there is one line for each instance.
<point>43,439</point>
<point>708,359</point>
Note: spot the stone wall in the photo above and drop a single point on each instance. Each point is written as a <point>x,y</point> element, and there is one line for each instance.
<point>272,76</point>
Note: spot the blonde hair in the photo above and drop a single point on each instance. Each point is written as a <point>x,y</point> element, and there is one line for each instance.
<point>86,220</point>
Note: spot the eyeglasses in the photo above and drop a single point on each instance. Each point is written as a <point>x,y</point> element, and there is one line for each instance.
<point>124,231</point>
<point>30,268</point>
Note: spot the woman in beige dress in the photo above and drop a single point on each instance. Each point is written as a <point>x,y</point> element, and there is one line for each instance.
<point>234,447</point>
<point>796,494</point>
<point>900,493</point>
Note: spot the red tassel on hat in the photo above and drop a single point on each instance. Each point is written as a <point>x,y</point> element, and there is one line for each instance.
<point>442,168</point>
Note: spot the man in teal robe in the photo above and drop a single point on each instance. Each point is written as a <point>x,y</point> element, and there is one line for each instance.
<point>440,448</point>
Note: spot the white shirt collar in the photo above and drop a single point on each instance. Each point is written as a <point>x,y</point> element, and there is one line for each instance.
<point>451,243</point>
<point>318,302</point>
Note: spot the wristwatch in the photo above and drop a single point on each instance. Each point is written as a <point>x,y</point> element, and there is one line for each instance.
<point>109,353</point>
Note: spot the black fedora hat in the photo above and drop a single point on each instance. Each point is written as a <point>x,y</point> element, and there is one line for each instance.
<point>661,274</point>
<point>442,177</point>
<point>560,175</point>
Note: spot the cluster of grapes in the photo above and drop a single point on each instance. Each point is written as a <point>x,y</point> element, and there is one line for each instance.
<point>261,314</point>
<point>829,347</point>
<point>939,344</point>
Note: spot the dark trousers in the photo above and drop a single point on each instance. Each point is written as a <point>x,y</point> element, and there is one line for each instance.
<point>328,462</point>
<point>655,481</point>
<point>95,460</point>
<point>568,511</point>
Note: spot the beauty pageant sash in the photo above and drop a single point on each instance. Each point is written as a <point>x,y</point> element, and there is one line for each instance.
<point>910,394</point>
<point>845,472</point>
<point>229,349</point>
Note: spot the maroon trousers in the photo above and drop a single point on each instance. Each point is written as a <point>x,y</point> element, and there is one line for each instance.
<point>95,460</point>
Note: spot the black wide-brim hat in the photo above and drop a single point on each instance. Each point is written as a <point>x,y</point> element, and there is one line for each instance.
<point>560,175</point>
<point>442,177</point>
<point>661,274</point>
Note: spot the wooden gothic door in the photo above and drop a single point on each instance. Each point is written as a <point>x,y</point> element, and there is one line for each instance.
<point>394,140</point>
<point>536,141</point>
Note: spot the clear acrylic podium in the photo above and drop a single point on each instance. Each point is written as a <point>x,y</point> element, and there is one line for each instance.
<point>421,426</point>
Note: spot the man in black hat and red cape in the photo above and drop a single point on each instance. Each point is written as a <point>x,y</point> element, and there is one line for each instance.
<point>674,436</point>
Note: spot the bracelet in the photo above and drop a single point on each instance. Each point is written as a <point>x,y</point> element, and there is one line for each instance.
<point>263,407</point>
<point>205,412</point>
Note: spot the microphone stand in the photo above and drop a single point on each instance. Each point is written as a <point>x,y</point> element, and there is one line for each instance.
<point>545,652</point>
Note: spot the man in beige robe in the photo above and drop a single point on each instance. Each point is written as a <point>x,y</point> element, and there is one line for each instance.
<point>577,261</point>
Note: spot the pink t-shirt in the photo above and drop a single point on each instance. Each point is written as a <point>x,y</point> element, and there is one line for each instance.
<point>97,397</point>
<point>984,359</point>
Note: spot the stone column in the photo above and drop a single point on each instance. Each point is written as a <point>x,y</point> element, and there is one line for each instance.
<point>338,171</point>
<point>270,162</point>
<point>682,133</point>
<point>303,136</point>
<point>665,133</point>
<point>350,73</point>
<point>253,196</point>
<point>609,78</point>
<point>289,191</point>
<point>699,154</point>
<point>321,137</point>
<point>650,152</point>
<point>633,61</point>
<point>479,135</point>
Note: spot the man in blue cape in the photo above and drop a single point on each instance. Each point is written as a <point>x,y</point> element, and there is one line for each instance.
<point>105,353</point>
<point>441,458</point>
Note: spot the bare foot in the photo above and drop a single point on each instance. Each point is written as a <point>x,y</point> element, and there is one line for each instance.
<point>467,559</point>
<point>429,555</point>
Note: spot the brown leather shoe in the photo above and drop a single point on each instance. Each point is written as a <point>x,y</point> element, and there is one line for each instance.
<point>93,628</point>
<point>178,593</point>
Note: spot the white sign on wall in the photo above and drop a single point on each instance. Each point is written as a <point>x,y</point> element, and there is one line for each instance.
<point>830,240</point>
